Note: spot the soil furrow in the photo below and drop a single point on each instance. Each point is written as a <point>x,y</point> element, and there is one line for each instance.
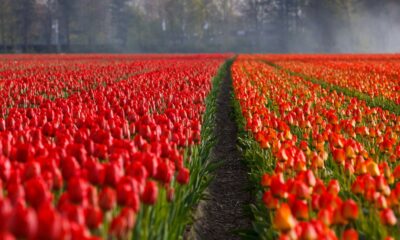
<point>223,213</point>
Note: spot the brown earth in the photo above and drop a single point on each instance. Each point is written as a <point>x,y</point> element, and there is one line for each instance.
<point>223,213</point>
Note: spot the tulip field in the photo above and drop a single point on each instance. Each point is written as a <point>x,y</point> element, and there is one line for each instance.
<point>97,146</point>
<point>324,161</point>
<point>118,146</point>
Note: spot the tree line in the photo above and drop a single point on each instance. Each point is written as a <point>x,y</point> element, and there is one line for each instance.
<point>199,25</point>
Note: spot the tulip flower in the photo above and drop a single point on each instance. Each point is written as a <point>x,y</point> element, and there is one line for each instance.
<point>24,222</point>
<point>350,234</point>
<point>284,220</point>
<point>107,199</point>
<point>270,201</point>
<point>183,176</point>
<point>149,195</point>
<point>388,217</point>
<point>350,210</point>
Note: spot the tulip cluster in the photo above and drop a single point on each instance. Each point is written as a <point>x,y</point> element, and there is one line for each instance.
<point>113,138</point>
<point>324,149</point>
<point>30,82</point>
<point>375,77</point>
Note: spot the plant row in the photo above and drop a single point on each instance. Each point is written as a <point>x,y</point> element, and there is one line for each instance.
<point>125,160</point>
<point>325,164</point>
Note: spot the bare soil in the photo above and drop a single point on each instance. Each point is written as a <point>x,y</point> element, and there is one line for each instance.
<point>223,213</point>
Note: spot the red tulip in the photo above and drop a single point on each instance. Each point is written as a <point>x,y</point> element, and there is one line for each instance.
<point>15,192</point>
<point>93,217</point>
<point>113,174</point>
<point>308,231</point>
<point>49,223</point>
<point>269,200</point>
<point>5,213</point>
<point>24,152</point>
<point>350,234</point>
<point>300,209</point>
<point>36,192</point>
<point>107,199</point>
<point>69,167</point>
<point>23,222</point>
<point>5,167</point>
<point>149,195</point>
<point>266,180</point>
<point>350,209</point>
<point>333,187</point>
<point>6,235</point>
<point>387,217</point>
<point>325,216</point>
<point>77,189</point>
<point>278,186</point>
<point>183,176</point>
<point>164,172</point>
<point>118,228</point>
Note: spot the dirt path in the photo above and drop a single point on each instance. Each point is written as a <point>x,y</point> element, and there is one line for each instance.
<point>223,213</point>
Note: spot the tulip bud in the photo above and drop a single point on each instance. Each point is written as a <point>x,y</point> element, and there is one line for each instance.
<point>164,172</point>
<point>350,209</point>
<point>113,174</point>
<point>36,192</point>
<point>339,155</point>
<point>278,186</point>
<point>300,209</point>
<point>334,187</point>
<point>373,168</point>
<point>269,200</point>
<point>23,222</point>
<point>387,217</point>
<point>93,217</point>
<point>350,234</point>
<point>5,213</point>
<point>107,199</point>
<point>50,223</point>
<point>350,152</point>
<point>77,189</point>
<point>266,180</point>
<point>284,220</point>
<point>150,193</point>
<point>325,216</point>
<point>308,232</point>
<point>118,228</point>
<point>170,194</point>
<point>183,176</point>
<point>24,152</point>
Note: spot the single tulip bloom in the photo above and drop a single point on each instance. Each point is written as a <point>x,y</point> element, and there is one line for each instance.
<point>149,195</point>
<point>284,220</point>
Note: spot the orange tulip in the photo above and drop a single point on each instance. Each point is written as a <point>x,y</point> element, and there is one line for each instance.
<point>350,209</point>
<point>284,220</point>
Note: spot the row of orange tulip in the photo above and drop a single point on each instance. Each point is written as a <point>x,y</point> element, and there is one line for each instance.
<point>320,142</point>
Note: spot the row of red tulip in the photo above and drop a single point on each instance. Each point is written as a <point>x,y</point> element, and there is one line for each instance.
<point>315,136</point>
<point>83,166</point>
<point>31,87</point>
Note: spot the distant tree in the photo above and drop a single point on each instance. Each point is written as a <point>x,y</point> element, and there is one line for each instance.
<point>120,20</point>
<point>7,22</point>
<point>24,14</point>
<point>66,12</point>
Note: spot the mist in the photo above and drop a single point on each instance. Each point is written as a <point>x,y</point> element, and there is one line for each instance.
<point>370,30</point>
<point>185,26</point>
